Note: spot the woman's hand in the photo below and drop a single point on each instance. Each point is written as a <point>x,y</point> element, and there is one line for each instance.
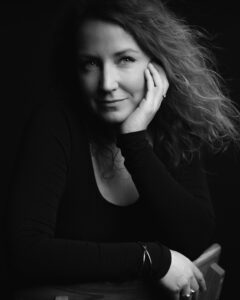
<point>157,86</point>
<point>183,280</point>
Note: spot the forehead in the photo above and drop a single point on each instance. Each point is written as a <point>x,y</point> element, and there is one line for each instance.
<point>104,37</point>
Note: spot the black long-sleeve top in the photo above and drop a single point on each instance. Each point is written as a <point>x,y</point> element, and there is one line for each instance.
<point>62,229</point>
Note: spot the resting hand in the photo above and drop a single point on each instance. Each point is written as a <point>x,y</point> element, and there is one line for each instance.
<point>156,85</point>
<point>182,278</point>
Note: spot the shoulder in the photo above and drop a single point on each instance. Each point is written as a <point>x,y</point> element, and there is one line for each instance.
<point>49,114</point>
<point>190,170</point>
<point>52,127</point>
<point>55,117</point>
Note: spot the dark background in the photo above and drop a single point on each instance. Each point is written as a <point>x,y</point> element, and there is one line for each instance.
<point>24,32</point>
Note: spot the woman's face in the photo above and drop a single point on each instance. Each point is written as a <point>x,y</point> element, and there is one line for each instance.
<point>110,70</point>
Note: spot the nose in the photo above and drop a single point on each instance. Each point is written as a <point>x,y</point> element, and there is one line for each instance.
<point>109,78</point>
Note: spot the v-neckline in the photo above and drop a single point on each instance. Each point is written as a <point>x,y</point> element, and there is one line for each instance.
<point>106,193</point>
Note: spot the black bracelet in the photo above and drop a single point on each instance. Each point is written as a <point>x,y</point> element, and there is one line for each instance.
<point>147,266</point>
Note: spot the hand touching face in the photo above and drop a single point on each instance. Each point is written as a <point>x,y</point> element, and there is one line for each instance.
<point>156,89</point>
<point>112,71</point>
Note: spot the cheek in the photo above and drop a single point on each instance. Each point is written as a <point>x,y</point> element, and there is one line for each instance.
<point>136,85</point>
<point>88,84</point>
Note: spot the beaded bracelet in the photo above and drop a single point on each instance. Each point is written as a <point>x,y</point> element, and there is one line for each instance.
<point>147,266</point>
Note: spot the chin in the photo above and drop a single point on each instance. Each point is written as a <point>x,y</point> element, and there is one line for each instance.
<point>113,117</point>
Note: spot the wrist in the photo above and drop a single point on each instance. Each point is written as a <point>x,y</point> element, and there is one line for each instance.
<point>132,139</point>
<point>129,128</point>
<point>157,262</point>
<point>146,270</point>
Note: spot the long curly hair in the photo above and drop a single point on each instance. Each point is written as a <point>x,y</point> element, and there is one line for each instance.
<point>197,109</point>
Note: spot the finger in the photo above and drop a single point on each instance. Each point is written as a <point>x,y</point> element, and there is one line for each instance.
<point>150,84</point>
<point>200,279</point>
<point>194,289</point>
<point>157,78</point>
<point>159,89</point>
<point>194,284</point>
<point>176,296</point>
<point>186,297</point>
<point>186,291</point>
<point>194,295</point>
<point>160,77</point>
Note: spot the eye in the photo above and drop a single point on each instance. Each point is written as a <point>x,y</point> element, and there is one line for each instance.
<point>90,64</point>
<point>127,59</point>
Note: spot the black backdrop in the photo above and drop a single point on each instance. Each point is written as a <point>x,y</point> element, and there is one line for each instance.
<point>24,31</point>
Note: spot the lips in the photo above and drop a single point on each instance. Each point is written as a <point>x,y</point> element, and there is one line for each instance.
<point>109,101</point>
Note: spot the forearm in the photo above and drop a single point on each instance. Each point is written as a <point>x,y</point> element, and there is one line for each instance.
<point>44,260</point>
<point>184,211</point>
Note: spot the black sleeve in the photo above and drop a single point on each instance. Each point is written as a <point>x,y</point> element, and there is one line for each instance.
<point>181,204</point>
<point>39,183</point>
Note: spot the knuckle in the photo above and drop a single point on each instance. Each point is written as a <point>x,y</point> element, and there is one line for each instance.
<point>176,290</point>
<point>184,282</point>
<point>201,277</point>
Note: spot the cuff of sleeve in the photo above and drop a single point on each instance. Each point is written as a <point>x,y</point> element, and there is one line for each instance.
<point>130,142</point>
<point>123,138</point>
<point>161,259</point>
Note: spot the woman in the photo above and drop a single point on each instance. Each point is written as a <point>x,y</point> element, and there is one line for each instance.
<point>110,184</point>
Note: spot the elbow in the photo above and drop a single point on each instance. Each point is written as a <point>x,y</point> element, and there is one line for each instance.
<point>196,235</point>
<point>209,231</point>
<point>207,228</point>
<point>25,259</point>
<point>203,237</point>
<point>21,261</point>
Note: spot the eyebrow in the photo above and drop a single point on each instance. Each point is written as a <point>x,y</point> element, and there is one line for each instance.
<point>119,53</point>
